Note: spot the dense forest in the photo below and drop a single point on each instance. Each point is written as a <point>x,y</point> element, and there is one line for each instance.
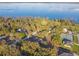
<point>36,36</point>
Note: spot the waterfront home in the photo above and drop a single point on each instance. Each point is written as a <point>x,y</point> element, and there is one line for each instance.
<point>64,52</point>
<point>2,37</point>
<point>21,30</point>
<point>67,38</point>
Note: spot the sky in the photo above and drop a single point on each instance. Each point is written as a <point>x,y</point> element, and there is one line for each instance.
<point>40,6</point>
<point>51,10</point>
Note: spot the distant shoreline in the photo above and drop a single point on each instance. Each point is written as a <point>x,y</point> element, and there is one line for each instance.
<point>15,17</point>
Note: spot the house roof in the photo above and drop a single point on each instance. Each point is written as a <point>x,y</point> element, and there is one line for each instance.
<point>66,54</point>
<point>67,36</point>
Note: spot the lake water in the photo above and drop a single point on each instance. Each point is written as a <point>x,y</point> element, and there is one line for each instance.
<point>50,10</point>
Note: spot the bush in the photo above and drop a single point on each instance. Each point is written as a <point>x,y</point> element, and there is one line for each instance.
<point>75,48</point>
<point>33,49</point>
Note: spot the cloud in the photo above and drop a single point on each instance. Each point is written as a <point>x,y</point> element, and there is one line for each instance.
<point>50,7</point>
<point>64,7</point>
<point>76,9</point>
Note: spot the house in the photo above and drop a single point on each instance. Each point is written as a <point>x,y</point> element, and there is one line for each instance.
<point>67,38</point>
<point>64,52</point>
<point>2,37</point>
<point>21,30</point>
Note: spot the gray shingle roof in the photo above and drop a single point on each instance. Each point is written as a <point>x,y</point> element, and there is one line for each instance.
<point>67,36</point>
<point>66,54</point>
